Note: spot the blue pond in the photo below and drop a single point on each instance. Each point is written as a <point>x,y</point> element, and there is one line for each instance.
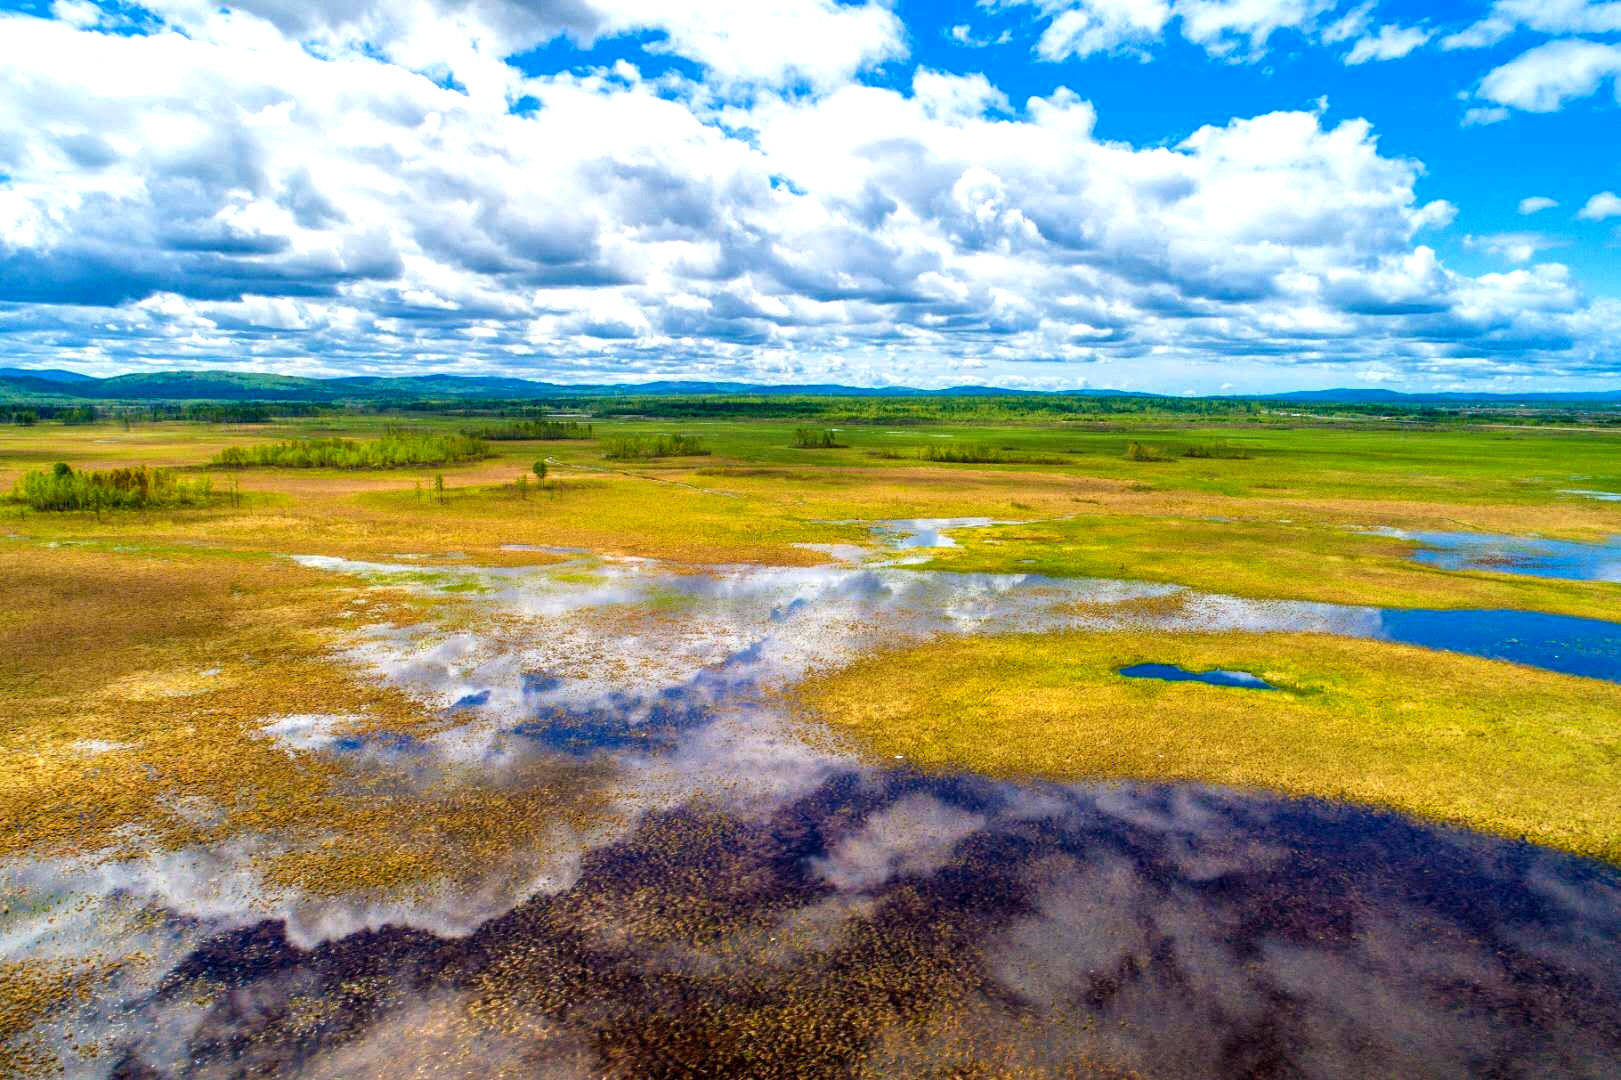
<point>1566,644</point>
<point>1562,643</point>
<point>1173,673</point>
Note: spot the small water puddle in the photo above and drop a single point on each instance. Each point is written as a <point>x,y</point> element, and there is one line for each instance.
<point>908,533</point>
<point>1566,560</point>
<point>1217,677</point>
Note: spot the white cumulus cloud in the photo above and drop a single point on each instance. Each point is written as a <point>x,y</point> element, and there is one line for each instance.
<point>1544,78</point>
<point>1102,26</point>
<point>1543,16</point>
<point>1606,204</point>
<point>1390,43</point>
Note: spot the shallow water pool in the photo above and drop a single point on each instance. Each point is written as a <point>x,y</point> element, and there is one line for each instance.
<point>1175,673</point>
<point>1566,560</point>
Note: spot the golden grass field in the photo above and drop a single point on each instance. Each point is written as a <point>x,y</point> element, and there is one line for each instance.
<point>1519,753</point>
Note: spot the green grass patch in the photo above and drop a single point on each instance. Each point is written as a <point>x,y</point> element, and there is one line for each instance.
<point>1262,560</point>
<point>980,454</point>
<point>1139,451</point>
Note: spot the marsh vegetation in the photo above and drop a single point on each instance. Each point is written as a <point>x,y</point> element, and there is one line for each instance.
<point>655,715</point>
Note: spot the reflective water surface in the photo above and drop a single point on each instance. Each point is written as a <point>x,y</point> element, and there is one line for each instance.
<point>1563,559</point>
<point>747,899</point>
<point>1176,673</point>
<point>888,924</point>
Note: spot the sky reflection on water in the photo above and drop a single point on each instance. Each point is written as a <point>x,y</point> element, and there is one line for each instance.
<point>888,921</point>
<point>1565,560</point>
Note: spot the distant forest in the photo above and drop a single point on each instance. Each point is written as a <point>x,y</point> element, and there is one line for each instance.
<point>508,409</point>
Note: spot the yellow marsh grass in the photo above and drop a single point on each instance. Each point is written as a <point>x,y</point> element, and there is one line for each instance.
<point>177,662</point>
<point>1492,746</point>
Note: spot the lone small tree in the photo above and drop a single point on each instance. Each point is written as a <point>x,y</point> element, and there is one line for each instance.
<point>439,488</point>
<point>539,469</point>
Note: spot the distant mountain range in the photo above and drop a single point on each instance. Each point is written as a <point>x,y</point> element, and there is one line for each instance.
<point>57,386</point>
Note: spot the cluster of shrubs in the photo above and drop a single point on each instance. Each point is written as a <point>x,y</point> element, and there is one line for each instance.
<point>816,439</point>
<point>1136,451</point>
<point>640,448</point>
<point>523,430</point>
<point>63,488</point>
<point>1217,450</point>
<point>389,452</point>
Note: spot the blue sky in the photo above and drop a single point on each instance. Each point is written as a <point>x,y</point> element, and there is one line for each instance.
<point>1176,195</point>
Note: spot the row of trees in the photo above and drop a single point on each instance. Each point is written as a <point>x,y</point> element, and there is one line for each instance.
<point>395,450</point>
<point>524,430</point>
<point>639,448</point>
<point>140,487</point>
<point>68,414</point>
<point>207,412</point>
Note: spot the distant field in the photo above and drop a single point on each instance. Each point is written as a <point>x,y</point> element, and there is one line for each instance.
<point>1281,520</point>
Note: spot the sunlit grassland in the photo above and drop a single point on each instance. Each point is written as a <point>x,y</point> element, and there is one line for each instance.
<point>1264,560</point>
<point>108,626</point>
<point>1492,746</point>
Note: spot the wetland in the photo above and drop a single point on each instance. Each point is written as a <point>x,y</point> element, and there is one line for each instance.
<point>1300,759</point>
